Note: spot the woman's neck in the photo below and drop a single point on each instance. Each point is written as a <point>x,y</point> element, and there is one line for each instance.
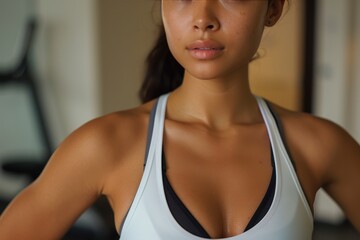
<point>217,103</point>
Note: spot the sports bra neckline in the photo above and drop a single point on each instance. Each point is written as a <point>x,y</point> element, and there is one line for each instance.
<point>187,220</point>
<point>162,105</point>
<point>289,216</point>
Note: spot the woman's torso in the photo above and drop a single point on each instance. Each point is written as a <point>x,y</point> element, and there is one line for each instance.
<point>225,159</point>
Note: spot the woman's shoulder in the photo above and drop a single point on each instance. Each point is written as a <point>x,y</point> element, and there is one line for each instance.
<point>112,131</point>
<point>311,129</point>
<point>117,124</point>
<point>322,144</point>
<point>105,143</point>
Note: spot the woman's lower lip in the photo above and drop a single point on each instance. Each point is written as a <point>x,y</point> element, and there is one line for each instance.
<point>205,54</point>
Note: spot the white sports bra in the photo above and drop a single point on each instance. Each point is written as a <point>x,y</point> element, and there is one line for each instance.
<point>149,216</point>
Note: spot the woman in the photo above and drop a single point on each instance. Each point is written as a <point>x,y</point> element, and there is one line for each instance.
<point>216,165</point>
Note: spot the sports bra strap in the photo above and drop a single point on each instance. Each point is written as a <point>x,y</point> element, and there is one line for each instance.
<point>280,127</point>
<point>150,130</point>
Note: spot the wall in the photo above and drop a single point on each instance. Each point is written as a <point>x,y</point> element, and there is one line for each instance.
<point>126,33</point>
<point>67,63</point>
<point>337,77</point>
<point>66,70</point>
<point>90,57</point>
<point>277,74</point>
<point>19,137</point>
<point>353,119</point>
<point>13,16</point>
<point>88,60</point>
<point>338,56</point>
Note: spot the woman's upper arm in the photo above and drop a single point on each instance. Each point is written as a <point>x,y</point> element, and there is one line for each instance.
<point>344,175</point>
<point>330,159</point>
<point>71,182</point>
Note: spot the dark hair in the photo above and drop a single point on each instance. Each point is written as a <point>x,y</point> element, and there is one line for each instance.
<point>163,73</point>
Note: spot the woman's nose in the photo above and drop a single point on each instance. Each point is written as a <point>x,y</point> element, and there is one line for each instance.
<point>205,17</point>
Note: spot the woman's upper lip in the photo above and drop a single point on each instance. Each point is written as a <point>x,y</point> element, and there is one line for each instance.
<point>205,45</point>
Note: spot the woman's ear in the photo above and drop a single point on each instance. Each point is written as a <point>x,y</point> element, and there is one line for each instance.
<point>274,12</point>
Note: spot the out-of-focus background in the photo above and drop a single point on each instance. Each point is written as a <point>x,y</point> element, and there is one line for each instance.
<point>64,62</point>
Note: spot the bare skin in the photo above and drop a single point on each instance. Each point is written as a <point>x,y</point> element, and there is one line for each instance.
<point>214,138</point>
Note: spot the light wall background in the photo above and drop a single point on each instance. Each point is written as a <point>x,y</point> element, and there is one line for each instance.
<point>66,61</point>
<point>90,57</point>
<point>127,30</point>
<point>337,77</point>
<point>277,73</point>
<point>337,86</point>
<point>88,60</point>
<point>18,137</point>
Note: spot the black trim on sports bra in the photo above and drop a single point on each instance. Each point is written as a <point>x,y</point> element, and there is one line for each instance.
<point>178,209</point>
<point>187,221</point>
<point>280,127</point>
<point>148,141</point>
<point>150,130</point>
